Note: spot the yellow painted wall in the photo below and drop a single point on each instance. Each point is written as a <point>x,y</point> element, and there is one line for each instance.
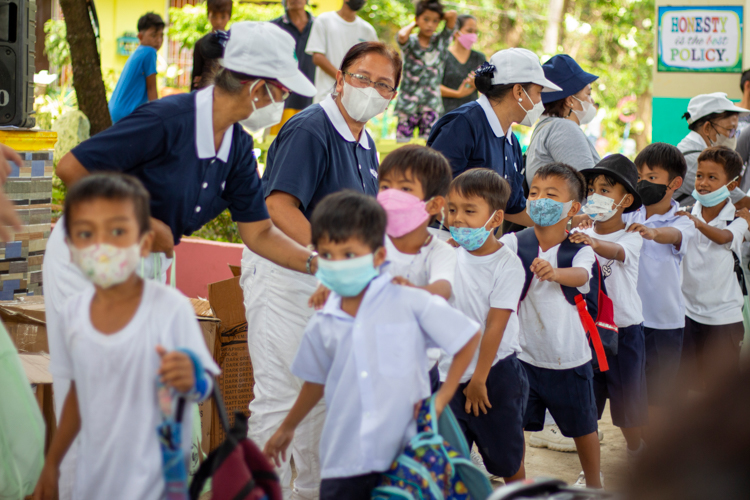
<point>328,5</point>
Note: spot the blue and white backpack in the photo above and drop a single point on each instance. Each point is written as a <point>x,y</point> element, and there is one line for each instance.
<point>435,464</point>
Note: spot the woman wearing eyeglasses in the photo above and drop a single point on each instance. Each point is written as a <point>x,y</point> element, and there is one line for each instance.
<point>319,151</point>
<point>712,120</point>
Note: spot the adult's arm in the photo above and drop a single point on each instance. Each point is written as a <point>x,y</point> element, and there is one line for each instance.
<point>285,213</point>
<point>450,138</point>
<point>265,239</point>
<point>321,61</point>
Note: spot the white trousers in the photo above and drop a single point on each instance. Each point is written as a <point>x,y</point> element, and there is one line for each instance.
<point>61,279</point>
<point>277,314</point>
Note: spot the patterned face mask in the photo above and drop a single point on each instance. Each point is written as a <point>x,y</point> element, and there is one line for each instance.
<point>471,238</point>
<point>547,212</point>
<point>106,265</point>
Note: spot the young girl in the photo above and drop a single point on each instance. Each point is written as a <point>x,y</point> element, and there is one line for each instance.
<point>458,79</point>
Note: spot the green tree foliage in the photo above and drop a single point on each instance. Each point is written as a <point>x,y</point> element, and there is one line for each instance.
<point>56,46</point>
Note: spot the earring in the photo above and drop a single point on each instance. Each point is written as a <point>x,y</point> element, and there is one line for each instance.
<point>255,99</point>
<point>520,99</point>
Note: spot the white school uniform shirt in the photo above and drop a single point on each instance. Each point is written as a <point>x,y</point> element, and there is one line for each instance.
<point>484,282</point>
<point>435,261</point>
<point>552,335</point>
<point>374,368</point>
<point>621,278</point>
<point>115,376</point>
<point>332,36</point>
<point>712,293</point>
<point>660,273</point>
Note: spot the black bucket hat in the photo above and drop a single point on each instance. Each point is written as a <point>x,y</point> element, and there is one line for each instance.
<point>621,169</point>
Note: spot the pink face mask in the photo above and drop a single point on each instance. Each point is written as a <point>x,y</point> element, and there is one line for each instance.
<point>405,212</point>
<point>467,39</point>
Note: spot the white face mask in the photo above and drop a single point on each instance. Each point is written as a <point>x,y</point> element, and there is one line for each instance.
<point>588,113</point>
<point>106,265</point>
<point>600,208</point>
<point>264,117</point>
<point>533,114</point>
<point>722,140</point>
<point>363,104</point>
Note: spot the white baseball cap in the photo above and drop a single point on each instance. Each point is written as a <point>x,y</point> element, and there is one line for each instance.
<point>705,104</point>
<point>519,66</point>
<point>265,50</point>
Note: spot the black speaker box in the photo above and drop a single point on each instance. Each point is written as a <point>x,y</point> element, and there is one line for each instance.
<point>17,41</point>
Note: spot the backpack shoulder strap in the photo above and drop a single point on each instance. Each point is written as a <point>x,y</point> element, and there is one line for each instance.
<point>692,152</point>
<point>528,250</point>
<point>565,255</point>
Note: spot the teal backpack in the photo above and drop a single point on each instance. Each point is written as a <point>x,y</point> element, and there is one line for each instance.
<point>435,464</point>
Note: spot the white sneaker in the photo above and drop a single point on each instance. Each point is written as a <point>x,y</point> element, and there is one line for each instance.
<point>600,433</point>
<point>551,437</point>
<point>476,459</point>
<point>581,481</point>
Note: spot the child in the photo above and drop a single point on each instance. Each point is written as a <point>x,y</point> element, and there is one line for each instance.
<point>713,298</point>
<point>419,100</point>
<point>489,281</point>
<point>554,349</point>
<point>612,193</point>
<point>661,168</point>
<point>117,337</point>
<point>219,13</point>
<point>137,83</point>
<point>366,350</point>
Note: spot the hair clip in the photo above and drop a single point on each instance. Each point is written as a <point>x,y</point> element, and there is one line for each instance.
<point>686,116</point>
<point>486,69</point>
<point>222,37</point>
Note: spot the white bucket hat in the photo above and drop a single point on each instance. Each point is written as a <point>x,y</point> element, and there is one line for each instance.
<point>705,104</point>
<point>265,50</point>
<point>519,66</point>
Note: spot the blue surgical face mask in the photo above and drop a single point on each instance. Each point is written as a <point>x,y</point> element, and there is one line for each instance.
<point>347,277</point>
<point>471,238</point>
<point>547,212</point>
<point>714,198</point>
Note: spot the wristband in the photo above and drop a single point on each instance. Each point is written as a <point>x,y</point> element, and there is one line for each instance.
<point>309,262</point>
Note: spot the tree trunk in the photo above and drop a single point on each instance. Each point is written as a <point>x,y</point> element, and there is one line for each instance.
<point>87,69</point>
<point>555,14</point>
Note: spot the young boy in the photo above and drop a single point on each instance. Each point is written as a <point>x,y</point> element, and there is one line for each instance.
<point>612,193</point>
<point>219,13</point>
<point>419,101</point>
<point>661,168</point>
<point>491,399</point>
<point>137,83</point>
<point>118,337</point>
<point>713,297</point>
<point>554,349</point>
<point>366,351</point>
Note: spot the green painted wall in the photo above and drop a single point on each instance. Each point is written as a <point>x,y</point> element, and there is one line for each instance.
<point>667,123</point>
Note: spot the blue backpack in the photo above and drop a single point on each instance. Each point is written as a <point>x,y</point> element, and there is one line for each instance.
<point>435,464</point>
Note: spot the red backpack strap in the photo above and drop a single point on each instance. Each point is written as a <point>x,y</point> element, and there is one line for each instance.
<point>590,327</point>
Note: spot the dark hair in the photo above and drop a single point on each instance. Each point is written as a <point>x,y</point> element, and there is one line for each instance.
<point>697,124</point>
<point>575,179</point>
<point>483,183</point>
<point>212,47</point>
<point>461,20</point>
<point>555,108</point>
<point>349,214</point>
<point>219,6</point>
<point>150,20</point>
<point>664,156</point>
<point>728,158</point>
<point>427,165</point>
<point>110,186</point>
<point>745,78</point>
<point>363,48</point>
<point>485,87</point>
<point>433,5</point>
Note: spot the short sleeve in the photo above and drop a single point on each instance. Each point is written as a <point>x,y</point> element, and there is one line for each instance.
<point>312,362</point>
<point>738,227</point>
<point>371,35</point>
<point>316,42</point>
<point>297,166</point>
<point>687,228</point>
<point>125,146</point>
<point>511,241</point>
<point>585,259</point>
<point>446,327</point>
<point>244,190</point>
<point>61,362</point>
<point>508,285</point>
<point>455,139</point>
<point>632,244</point>
<point>566,143</point>
<point>186,332</point>
<point>442,263</point>
<point>149,63</point>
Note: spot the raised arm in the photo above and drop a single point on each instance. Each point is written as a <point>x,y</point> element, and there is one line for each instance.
<point>403,33</point>
<point>606,249</point>
<point>662,235</point>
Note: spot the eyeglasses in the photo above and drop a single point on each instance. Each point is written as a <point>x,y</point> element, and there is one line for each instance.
<point>732,131</point>
<point>362,81</point>
<point>285,92</point>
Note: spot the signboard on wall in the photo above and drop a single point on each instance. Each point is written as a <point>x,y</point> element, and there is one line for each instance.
<point>706,39</point>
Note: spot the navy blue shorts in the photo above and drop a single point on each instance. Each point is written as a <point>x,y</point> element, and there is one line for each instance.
<point>349,488</point>
<point>498,434</point>
<point>567,394</point>
<point>625,381</point>
<point>434,379</point>
<point>663,352</point>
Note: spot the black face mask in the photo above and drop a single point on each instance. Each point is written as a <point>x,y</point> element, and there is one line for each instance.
<point>651,193</point>
<point>355,5</point>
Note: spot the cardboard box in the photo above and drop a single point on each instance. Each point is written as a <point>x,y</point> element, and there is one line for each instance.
<point>25,321</point>
<point>36,367</point>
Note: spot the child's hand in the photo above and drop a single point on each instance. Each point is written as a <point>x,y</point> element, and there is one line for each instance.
<point>278,444</point>
<point>744,213</point>
<point>450,16</point>
<point>476,398</point>
<point>579,237</point>
<point>543,270</point>
<point>176,370</point>
<point>582,222</point>
<point>46,486</point>
<point>400,280</point>
<point>319,297</point>
<point>696,221</point>
<point>646,233</point>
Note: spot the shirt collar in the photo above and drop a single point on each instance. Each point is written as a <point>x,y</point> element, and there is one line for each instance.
<point>285,18</point>
<point>727,213</point>
<point>204,128</point>
<point>339,123</point>
<point>695,137</point>
<point>497,129</point>
<point>333,304</point>
<point>674,207</point>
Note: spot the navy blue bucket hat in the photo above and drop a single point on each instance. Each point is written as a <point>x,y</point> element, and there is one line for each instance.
<point>565,72</point>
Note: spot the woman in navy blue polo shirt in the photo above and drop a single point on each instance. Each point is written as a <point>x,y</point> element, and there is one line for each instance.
<point>478,134</point>
<point>319,151</point>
